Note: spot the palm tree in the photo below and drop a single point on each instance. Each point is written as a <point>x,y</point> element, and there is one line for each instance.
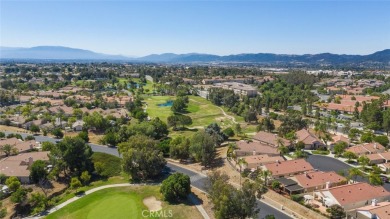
<point>7,149</point>
<point>354,173</point>
<point>281,147</point>
<point>265,174</point>
<point>241,162</point>
<point>230,151</point>
<point>364,161</point>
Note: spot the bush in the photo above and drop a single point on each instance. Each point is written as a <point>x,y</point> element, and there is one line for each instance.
<point>176,187</point>
<point>246,172</point>
<point>3,213</point>
<point>381,139</point>
<point>228,132</point>
<point>273,115</point>
<point>30,137</point>
<point>297,198</point>
<point>84,135</point>
<point>321,152</point>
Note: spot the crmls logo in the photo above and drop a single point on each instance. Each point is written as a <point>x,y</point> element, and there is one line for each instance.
<point>157,214</point>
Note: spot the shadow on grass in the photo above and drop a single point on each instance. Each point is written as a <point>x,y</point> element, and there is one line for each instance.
<point>191,200</point>
<point>186,129</point>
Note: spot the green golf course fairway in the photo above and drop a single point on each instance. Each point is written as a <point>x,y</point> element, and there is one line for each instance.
<point>118,203</point>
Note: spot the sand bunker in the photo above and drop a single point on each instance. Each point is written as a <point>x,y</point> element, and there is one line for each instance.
<point>152,203</point>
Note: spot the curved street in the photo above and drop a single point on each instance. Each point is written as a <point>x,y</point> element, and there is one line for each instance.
<point>325,163</point>
<point>197,180</point>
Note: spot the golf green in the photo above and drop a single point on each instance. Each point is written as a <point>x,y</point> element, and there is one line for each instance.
<point>121,203</point>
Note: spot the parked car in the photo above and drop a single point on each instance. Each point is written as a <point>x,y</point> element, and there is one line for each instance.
<point>384,179</point>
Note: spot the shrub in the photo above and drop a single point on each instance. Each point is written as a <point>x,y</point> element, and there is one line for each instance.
<point>176,187</point>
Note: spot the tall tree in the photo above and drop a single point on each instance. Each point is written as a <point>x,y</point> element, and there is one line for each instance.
<point>38,171</point>
<point>141,157</point>
<point>72,154</point>
<point>203,148</point>
<point>176,187</point>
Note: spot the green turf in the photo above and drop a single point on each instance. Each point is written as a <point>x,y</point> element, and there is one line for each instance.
<point>202,112</point>
<point>154,110</point>
<point>111,164</point>
<point>148,86</point>
<point>118,203</point>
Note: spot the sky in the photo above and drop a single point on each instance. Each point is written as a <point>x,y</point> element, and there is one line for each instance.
<point>138,28</point>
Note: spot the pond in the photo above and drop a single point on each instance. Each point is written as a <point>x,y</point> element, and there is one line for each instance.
<point>168,103</point>
<point>132,85</point>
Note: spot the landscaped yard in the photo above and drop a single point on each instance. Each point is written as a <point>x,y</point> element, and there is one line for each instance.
<point>122,202</point>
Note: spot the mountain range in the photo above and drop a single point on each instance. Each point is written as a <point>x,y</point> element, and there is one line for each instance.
<point>66,53</point>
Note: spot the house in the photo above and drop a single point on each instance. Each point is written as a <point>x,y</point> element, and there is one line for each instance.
<point>245,148</point>
<point>352,196</point>
<point>379,158</point>
<point>19,145</point>
<point>289,186</point>
<point>78,125</point>
<point>374,210</point>
<point>337,139</point>
<point>288,167</point>
<point>68,111</point>
<point>10,141</point>
<point>37,122</point>
<point>310,140</point>
<point>238,88</point>
<point>255,161</point>
<point>18,165</point>
<point>315,180</point>
<point>26,146</point>
<point>385,167</point>
<point>366,148</point>
<point>17,120</point>
<point>270,139</point>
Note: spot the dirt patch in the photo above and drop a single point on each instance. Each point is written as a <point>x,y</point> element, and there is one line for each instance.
<point>13,129</point>
<point>152,203</point>
<point>95,138</point>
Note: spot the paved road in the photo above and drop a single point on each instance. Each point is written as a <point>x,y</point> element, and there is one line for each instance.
<point>95,147</point>
<point>197,180</point>
<point>325,163</point>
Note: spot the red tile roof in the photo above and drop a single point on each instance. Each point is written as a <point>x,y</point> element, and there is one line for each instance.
<point>288,167</point>
<point>318,178</point>
<point>352,193</point>
<point>270,138</point>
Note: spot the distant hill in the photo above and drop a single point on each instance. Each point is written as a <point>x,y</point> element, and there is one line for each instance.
<point>323,58</point>
<point>54,52</point>
<point>66,53</point>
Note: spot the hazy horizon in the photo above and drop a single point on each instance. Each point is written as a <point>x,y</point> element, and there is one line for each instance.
<point>136,29</point>
<point>133,56</point>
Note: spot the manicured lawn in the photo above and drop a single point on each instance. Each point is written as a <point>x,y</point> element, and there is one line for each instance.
<point>202,111</point>
<point>112,180</point>
<point>154,110</point>
<point>118,203</point>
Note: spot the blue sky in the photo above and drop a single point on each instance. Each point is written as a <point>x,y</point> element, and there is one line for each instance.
<point>217,27</point>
